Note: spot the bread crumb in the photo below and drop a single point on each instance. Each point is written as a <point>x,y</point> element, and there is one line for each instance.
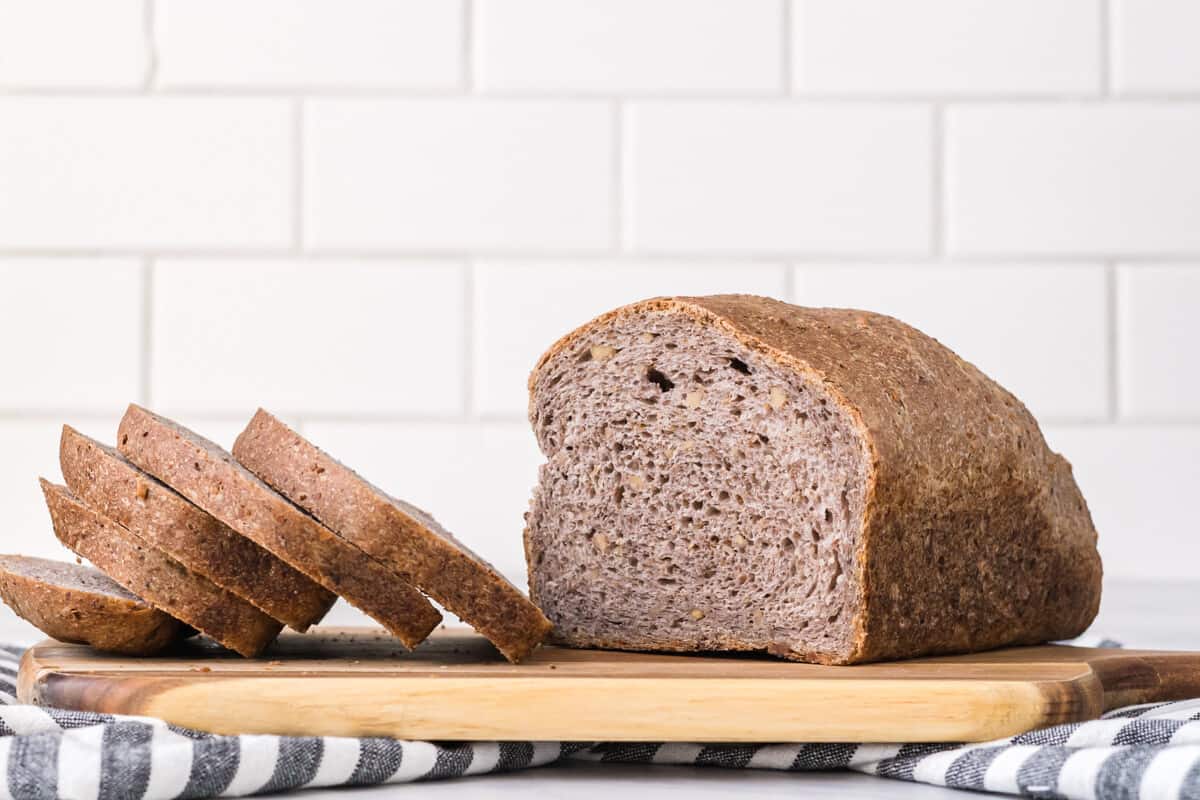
<point>778,397</point>
<point>739,541</point>
<point>647,337</point>
<point>693,398</point>
<point>635,480</point>
<point>143,489</point>
<point>697,614</point>
<point>602,352</point>
<point>600,542</point>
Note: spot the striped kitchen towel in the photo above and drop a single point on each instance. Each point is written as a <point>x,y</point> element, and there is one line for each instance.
<point>1150,751</point>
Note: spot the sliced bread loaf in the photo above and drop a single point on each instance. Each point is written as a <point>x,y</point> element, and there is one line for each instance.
<point>156,577</point>
<point>210,477</point>
<point>105,481</point>
<point>74,603</point>
<point>829,485</point>
<point>401,535</point>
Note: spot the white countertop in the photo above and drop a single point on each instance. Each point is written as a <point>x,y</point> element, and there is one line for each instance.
<point>1160,614</point>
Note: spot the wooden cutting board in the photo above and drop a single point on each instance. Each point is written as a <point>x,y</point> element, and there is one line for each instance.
<point>358,682</point>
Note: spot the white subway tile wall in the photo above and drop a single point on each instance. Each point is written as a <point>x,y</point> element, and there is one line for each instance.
<point>1051,179</point>
<point>1158,334</point>
<point>1154,47</point>
<point>309,43</point>
<point>949,47</point>
<point>131,173</point>
<point>330,337</point>
<point>458,174</point>
<point>715,177</point>
<point>102,45</point>
<point>630,45</point>
<point>373,216</point>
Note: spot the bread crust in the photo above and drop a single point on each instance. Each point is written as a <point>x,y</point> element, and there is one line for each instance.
<point>394,532</point>
<point>209,477</point>
<point>102,479</point>
<point>154,576</point>
<point>89,609</point>
<point>975,534</point>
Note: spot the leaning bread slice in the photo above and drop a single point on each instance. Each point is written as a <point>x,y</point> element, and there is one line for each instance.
<point>74,603</point>
<point>830,485</point>
<point>210,477</point>
<point>400,535</point>
<point>102,479</point>
<point>156,577</point>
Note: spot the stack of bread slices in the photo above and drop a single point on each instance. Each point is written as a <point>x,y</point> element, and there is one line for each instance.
<point>187,537</point>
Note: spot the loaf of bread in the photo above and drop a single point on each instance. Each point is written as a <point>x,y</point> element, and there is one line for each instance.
<point>101,478</point>
<point>399,534</point>
<point>74,603</point>
<point>156,577</point>
<point>209,476</point>
<point>736,473</point>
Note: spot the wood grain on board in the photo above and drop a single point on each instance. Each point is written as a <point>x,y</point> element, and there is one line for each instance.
<point>359,682</point>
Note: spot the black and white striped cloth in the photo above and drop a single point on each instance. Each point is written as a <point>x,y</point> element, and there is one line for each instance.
<point>1146,752</point>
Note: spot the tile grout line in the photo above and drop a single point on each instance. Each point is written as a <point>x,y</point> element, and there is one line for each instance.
<point>965,260</point>
<point>298,159</point>
<point>805,99</point>
<point>617,204</point>
<point>1106,48</point>
<point>785,47</point>
<point>467,54</point>
<point>468,343</point>
<point>147,332</point>
<point>937,183</point>
<point>149,22</point>
<point>789,283</point>
<point>1112,296</point>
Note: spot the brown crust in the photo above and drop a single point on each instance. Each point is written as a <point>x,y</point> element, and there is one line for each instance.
<point>153,575</point>
<point>393,532</point>
<point>975,533</point>
<point>210,477</point>
<point>89,608</point>
<point>102,479</point>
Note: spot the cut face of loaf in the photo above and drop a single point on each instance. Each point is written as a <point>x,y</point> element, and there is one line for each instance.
<point>733,473</point>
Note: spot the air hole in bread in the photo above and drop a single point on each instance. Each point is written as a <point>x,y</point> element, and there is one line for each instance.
<point>739,365</point>
<point>664,383</point>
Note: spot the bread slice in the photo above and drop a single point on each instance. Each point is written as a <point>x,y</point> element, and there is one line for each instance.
<point>156,577</point>
<point>74,603</point>
<point>105,481</point>
<point>398,534</point>
<point>830,485</point>
<point>210,477</point>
